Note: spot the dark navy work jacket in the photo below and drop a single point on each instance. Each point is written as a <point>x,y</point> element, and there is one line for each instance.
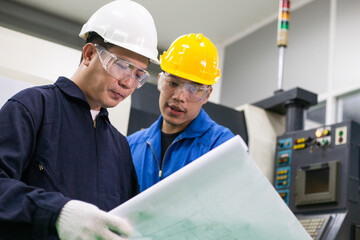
<point>50,152</point>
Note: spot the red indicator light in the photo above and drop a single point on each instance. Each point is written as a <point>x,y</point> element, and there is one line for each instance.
<point>286,4</point>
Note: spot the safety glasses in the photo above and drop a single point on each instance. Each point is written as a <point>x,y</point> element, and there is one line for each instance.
<point>121,69</point>
<point>193,92</point>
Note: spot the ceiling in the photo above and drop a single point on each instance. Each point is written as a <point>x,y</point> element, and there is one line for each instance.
<point>221,21</point>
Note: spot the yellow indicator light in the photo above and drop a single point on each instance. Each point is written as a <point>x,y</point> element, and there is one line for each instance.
<point>281,177</point>
<point>318,133</point>
<point>280,172</point>
<point>301,140</point>
<point>285,15</point>
<point>326,132</point>
<point>299,146</point>
<point>283,194</point>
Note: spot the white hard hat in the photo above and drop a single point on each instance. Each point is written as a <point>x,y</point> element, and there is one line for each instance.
<point>126,24</point>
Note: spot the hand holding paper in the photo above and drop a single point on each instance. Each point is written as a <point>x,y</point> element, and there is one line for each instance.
<point>81,220</point>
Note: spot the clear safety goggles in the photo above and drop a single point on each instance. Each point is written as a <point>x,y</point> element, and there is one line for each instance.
<point>121,69</point>
<point>193,92</point>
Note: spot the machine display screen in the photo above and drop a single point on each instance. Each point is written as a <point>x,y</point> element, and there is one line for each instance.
<point>317,181</point>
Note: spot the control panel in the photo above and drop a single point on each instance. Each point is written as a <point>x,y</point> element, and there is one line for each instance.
<point>317,174</point>
<point>300,152</point>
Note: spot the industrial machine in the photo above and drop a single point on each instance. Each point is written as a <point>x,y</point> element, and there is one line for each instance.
<point>317,171</point>
<point>317,174</point>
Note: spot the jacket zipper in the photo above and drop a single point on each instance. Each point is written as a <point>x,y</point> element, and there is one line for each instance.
<point>162,163</point>
<point>157,162</point>
<point>97,159</point>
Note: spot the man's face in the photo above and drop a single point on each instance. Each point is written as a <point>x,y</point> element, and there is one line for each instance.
<point>104,90</point>
<point>180,101</point>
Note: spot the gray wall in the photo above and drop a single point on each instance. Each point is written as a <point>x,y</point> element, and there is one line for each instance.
<point>12,87</point>
<point>346,67</point>
<point>250,69</point>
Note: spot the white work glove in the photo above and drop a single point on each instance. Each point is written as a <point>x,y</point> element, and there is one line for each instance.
<point>80,220</point>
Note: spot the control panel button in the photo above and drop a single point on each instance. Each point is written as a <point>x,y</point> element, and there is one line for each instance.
<point>340,135</point>
<point>318,133</point>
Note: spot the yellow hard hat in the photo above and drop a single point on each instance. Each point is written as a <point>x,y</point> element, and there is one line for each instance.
<point>193,57</point>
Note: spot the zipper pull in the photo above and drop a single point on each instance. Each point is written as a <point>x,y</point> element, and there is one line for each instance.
<point>94,123</point>
<point>160,173</point>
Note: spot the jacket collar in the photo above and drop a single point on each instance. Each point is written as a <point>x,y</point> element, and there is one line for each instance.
<point>72,90</point>
<point>196,128</point>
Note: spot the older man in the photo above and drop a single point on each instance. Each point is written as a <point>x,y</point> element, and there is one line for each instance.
<point>62,164</point>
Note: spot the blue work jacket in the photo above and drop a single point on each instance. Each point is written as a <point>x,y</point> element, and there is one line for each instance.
<point>202,135</point>
<point>52,151</point>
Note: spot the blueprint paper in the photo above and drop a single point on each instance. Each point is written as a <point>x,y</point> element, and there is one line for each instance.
<point>221,195</point>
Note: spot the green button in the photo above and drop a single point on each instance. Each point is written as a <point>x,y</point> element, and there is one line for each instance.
<point>341,133</point>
